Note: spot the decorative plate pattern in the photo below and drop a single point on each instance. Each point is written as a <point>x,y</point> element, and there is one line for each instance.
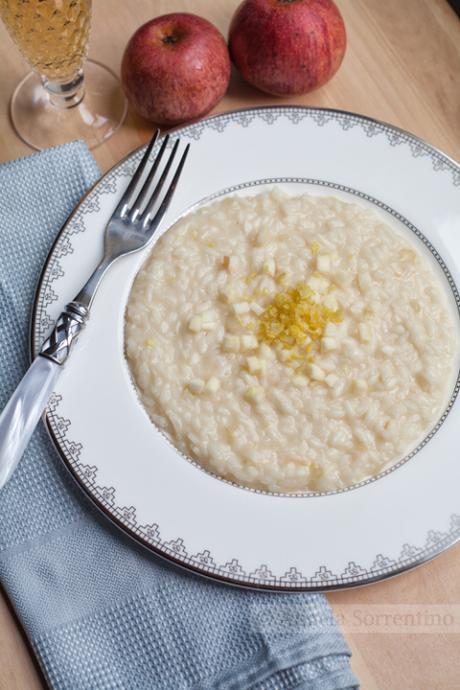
<point>381,567</point>
<point>72,253</point>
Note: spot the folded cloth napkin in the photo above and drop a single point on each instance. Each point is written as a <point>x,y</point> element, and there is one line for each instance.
<point>101,612</point>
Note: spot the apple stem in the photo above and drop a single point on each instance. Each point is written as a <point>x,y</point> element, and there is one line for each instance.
<point>170,39</point>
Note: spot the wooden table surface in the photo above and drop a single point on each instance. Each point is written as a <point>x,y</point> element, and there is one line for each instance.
<point>402,66</point>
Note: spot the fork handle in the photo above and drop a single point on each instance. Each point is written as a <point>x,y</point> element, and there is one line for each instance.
<point>22,412</point>
<point>65,333</point>
<point>24,409</point>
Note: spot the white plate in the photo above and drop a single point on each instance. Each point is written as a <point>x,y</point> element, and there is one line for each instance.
<point>383,526</point>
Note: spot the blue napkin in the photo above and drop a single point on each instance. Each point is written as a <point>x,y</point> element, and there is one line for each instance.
<point>101,612</point>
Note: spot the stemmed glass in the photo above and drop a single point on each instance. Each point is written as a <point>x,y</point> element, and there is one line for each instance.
<point>57,102</point>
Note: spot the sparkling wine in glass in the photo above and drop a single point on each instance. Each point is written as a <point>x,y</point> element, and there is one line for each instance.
<point>58,101</point>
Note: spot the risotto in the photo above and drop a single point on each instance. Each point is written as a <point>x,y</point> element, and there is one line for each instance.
<point>290,343</point>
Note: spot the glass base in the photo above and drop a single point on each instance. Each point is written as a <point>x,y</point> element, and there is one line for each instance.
<point>40,124</point>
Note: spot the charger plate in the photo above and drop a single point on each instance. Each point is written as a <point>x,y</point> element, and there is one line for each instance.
<point>383,526</point>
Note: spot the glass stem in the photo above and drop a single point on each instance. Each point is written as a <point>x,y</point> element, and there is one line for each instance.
<point>65,94</point>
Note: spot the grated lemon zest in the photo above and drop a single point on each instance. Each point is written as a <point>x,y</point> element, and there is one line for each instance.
<point>294,318</point>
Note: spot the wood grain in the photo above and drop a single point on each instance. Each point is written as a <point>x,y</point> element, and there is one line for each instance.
<point>402,66</point>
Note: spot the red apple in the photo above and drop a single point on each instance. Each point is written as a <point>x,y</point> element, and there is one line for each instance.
<point>175,68</point>
<point>287,47</point>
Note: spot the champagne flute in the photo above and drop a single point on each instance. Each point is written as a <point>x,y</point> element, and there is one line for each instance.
<point>57,101</point>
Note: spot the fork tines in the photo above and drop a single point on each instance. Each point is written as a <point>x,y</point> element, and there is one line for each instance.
<point>140,203</point>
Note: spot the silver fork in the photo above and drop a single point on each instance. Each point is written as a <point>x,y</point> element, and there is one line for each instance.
<point>131,227</point>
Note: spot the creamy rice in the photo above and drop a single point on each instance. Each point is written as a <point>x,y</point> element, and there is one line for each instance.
<point>292,413</point>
